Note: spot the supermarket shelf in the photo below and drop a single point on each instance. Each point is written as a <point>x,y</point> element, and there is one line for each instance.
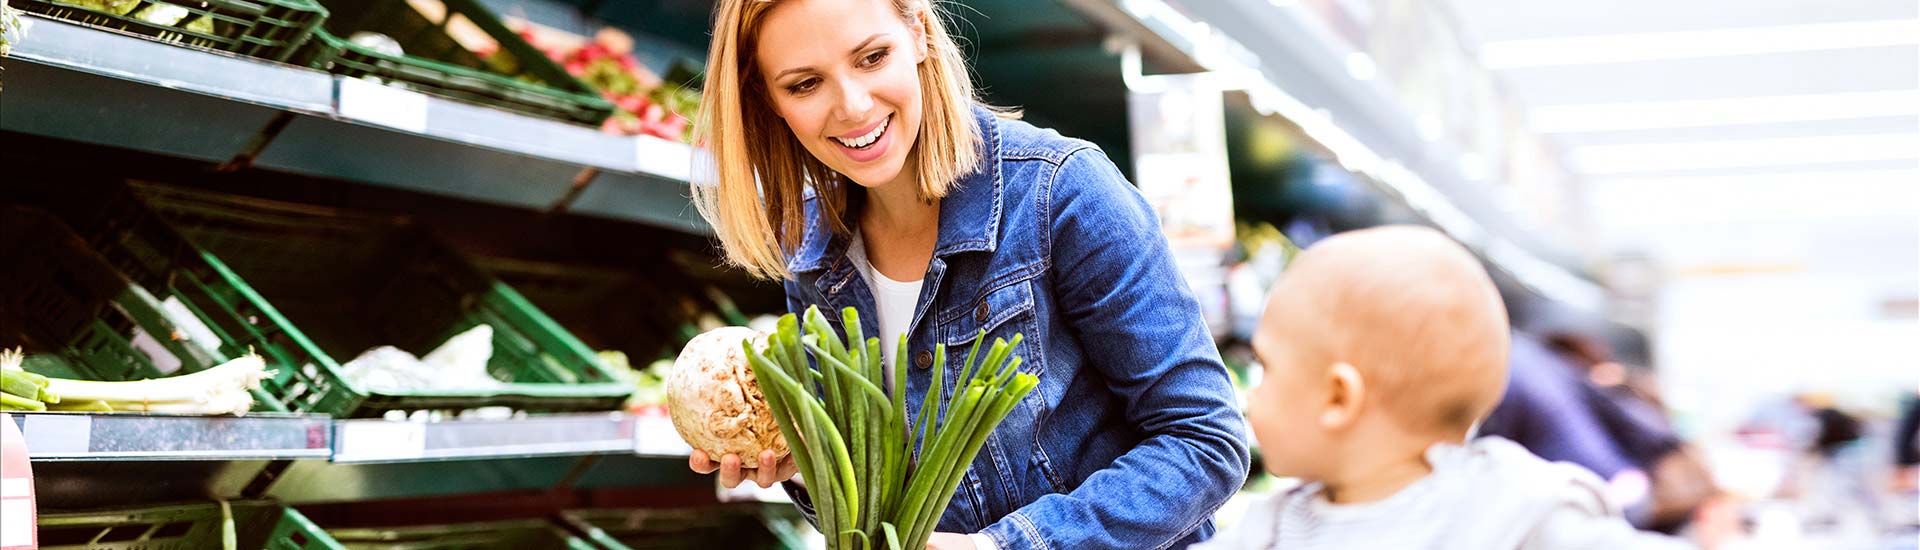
<point>80,459</point>
<point>313,481</point>
<point>125,436</point>
<point>72,82</point>
<point>363,441</point>
<point>655,436</point>
<point>272,436</point>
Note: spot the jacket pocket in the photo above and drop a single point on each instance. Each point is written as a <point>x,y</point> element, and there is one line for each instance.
<point>1000,313</point>
<point>989,312</point>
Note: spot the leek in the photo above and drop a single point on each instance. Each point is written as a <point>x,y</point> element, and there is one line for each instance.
<point>852,438</point>
<point>225,389</point>
<point>13,402</point>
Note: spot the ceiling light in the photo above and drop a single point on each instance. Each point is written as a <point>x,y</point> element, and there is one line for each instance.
<point>1430,127</point>
<point>1706,200</point>
<point>1601,117</point>
<point>1621,48</point>
<point>1656,157</point>
<point>1360,66</point>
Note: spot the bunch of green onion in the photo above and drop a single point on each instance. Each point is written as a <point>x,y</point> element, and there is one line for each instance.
<point>851,439</point>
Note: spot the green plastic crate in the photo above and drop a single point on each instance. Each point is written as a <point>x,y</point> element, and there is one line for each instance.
<point>258,525</point>
<point>267,29</point>
<point>516,77</point>
<point>353,281</point>
<point>76,314</point>
<point>705,528</point>
<point>529,534</point>
<point>646,315</point>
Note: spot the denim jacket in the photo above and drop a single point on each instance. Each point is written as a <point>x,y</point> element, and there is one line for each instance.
<point>1132,439</point>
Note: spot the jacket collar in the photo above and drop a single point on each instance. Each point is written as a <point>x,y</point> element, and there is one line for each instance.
<point>969,214</point>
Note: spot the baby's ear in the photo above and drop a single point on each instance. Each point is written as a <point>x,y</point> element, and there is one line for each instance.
<point>1346,390</point>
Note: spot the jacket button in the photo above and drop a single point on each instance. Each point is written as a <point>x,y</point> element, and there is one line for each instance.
<point>980,314</point>
<point>924,359</point>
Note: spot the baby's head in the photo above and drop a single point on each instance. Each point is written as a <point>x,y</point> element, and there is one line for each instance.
<point>1375,343</point>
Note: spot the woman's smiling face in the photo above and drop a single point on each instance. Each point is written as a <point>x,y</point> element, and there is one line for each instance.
<point>844,75</point>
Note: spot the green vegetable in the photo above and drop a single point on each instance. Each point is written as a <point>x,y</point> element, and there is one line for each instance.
<point>13,402</point>
<point>22,383</point>
<point>202,25</point>
<point>10,28</point>
<point>116,7</point>
<point>81,406</point>
<point>229,540</point>
<point>224,389</point>
<point>850,438</point>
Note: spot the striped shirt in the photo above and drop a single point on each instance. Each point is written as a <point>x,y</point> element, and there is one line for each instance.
<point>1491,495</point>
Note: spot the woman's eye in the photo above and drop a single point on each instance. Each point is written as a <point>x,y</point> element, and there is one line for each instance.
<point>874,58</point>
<point>803,86</point>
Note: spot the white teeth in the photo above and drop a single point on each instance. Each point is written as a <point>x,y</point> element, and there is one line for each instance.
<point>863,141</point>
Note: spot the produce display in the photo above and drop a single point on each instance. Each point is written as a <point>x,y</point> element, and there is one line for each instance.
<point>225,389</point>
<point>649,384</point>
<point>10,30</point>
<point>645,104</point>
<point>855,445</point>
<point>166,15</point>
<point>458,364</point>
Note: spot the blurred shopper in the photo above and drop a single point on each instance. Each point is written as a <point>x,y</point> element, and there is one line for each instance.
<point>1837,429</point>
<point>1381,348</point>
<point>1906,447</point>
<point>1553,410</point>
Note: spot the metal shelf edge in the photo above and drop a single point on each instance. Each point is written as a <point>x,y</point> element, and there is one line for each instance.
<point>382,441</point>
<point>100,437</point>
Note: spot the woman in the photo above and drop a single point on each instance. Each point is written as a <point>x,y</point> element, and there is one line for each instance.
<point>853,164</point>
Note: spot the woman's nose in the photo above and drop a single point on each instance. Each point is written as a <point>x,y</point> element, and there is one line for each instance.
<point>855,101</point>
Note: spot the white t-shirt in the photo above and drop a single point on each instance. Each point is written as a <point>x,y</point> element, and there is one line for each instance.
<point>895,301</point>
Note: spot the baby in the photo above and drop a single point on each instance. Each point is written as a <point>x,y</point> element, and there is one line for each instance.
<point>1381,349</point>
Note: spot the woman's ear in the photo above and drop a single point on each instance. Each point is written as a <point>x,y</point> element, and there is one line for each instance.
<point>1346,390</point>
<point>918,28</point>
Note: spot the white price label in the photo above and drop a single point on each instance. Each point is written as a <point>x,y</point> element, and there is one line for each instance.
<point>16,488</point>
<point>59,434</point>
<point>376,103</point>
<point>16,522</point>
<point>653,435</point>
<point>670,159</point>
<point>381,440</point>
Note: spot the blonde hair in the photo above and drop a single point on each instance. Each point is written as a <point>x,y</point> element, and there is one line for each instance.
<point>756,199</point>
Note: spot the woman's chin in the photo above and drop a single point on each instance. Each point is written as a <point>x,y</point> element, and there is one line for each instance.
<point>872,177</point>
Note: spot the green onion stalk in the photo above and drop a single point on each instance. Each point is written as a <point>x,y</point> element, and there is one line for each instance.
<point>849,432</point>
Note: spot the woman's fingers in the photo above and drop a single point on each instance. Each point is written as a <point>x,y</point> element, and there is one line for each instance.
<point>768,472</point>
<point>700,463</point>
<point>765,472</point>
<point>730,470</point>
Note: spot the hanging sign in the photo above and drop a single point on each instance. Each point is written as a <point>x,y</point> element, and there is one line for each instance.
<point>1180,166</point>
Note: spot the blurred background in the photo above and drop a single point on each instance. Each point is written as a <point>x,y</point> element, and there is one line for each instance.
<point>1704,217</point>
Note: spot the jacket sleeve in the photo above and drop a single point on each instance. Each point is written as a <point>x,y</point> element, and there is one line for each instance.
<point>1141,328</point>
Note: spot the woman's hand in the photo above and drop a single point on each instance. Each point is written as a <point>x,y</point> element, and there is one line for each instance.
<point>764,474</point>
<point>949,541</point>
